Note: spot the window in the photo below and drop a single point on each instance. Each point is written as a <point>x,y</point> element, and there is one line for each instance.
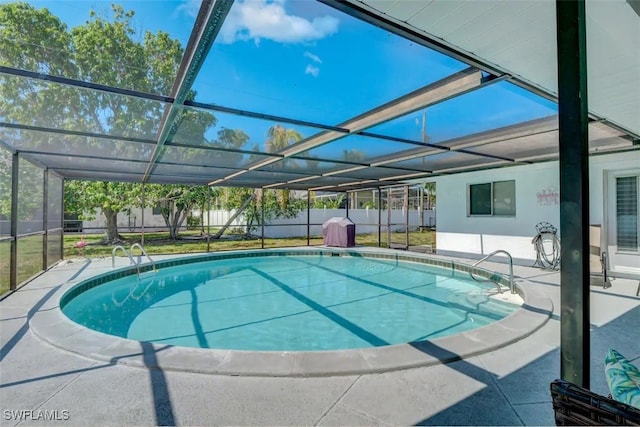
<point>493,198</point>
<point>157,210</point>
<point>627,213</point>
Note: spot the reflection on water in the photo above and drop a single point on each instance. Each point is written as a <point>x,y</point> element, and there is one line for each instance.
<point>112,307</point>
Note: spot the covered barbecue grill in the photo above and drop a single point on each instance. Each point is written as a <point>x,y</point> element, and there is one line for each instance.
<point>339,231</point>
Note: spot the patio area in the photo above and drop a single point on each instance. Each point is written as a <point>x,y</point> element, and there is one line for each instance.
<point>509,386</point>
<point>215,94</point>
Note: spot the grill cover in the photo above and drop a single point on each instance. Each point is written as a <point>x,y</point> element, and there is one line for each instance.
<point>339,231</point>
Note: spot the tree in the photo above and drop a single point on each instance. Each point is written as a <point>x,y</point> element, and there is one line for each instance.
<point>328,203</point>
<point>30,195</point>
<point>104,50</point>
<point>233,198</point>
<point>279,138</point>
<point>6,165</point>
<point>177,201</point>
<point>430,190</point>
<point>38,41</point>
<point>83,197</point>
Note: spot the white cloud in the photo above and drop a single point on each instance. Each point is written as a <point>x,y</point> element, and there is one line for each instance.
<point>261,19</point>
<point>314,71</point>
<point>314,58</point>
<point>189,7</point>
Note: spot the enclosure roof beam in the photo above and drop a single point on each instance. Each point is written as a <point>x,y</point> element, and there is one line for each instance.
<point>208,23</point>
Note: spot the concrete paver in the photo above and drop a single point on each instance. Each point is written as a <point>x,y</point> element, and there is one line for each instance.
<point>441,395</point>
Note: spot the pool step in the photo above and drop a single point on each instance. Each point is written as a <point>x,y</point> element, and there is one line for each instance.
<point>481,304</point>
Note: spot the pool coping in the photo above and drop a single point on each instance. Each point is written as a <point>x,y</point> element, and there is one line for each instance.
<point>55,328</point>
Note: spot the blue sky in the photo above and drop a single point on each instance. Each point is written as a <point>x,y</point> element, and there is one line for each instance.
<point>302,59</point>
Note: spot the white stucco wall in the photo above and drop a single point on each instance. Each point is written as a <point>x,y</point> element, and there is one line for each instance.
<point>460,234</point>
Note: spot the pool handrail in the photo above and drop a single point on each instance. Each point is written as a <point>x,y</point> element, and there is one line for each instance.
<point>113,255</point>
<point>130,256</point>
<point>499,251</point>
<point>144,252</point>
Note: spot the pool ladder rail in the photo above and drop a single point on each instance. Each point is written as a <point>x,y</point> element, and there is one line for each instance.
<point>130,256</point>
<point>499,251</point>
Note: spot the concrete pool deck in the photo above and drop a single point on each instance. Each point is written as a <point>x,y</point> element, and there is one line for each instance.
<point>507,386</point>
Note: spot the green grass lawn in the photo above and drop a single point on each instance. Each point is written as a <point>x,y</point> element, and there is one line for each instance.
<point>159,243</point>
<point>29,256</point>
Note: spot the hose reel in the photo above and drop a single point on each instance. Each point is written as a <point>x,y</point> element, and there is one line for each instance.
<point>547,246</point>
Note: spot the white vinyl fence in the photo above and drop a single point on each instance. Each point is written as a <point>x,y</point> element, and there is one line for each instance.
<point>366,221</point>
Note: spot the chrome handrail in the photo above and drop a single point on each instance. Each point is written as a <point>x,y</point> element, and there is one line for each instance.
<point>144,252</point>
<point>499,251</point>
<point>129,255</point>
<point>113,255</point>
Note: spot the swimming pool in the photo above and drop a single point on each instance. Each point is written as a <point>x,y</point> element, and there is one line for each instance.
<point>289,300</point>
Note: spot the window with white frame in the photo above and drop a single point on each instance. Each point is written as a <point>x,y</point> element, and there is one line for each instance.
<point>627,227</point>
<point>493,199</point>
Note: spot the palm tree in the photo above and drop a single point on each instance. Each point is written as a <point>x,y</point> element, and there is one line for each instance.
<point>430,189</point>
<point>279,138</point>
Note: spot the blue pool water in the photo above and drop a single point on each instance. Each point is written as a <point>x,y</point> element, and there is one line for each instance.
<point>305,302</point>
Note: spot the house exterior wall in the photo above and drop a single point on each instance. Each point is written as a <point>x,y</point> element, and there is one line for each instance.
<point>537,200</point>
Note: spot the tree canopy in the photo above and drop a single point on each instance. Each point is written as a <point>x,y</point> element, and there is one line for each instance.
<point>106,49</point>
<point>177,201</point>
